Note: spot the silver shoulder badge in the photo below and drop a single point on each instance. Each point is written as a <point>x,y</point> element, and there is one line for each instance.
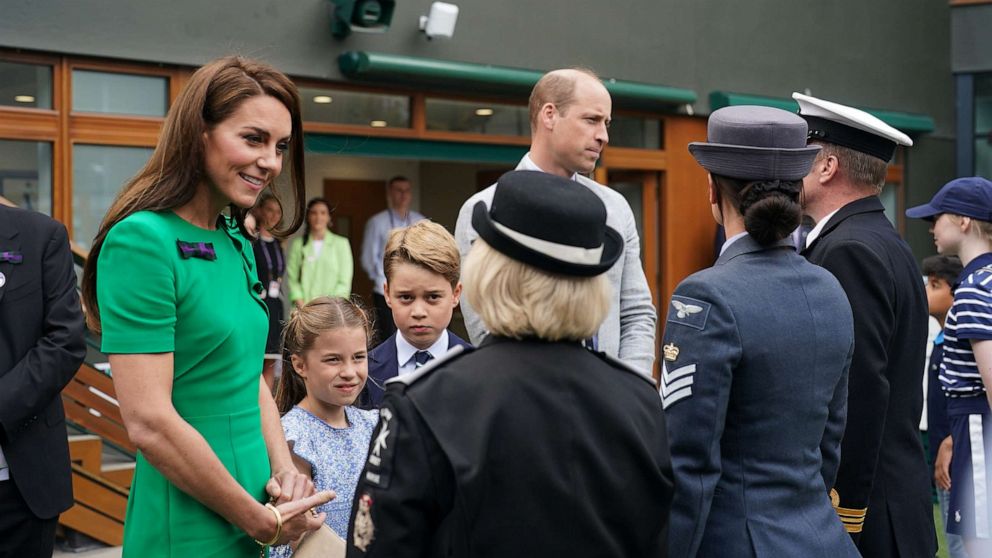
<point>689,312</point>
<point>412,377</point>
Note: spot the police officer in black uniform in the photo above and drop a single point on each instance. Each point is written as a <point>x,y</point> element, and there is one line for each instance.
<point>530,445</point>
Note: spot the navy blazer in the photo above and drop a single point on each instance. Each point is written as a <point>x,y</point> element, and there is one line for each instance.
<point>883,475</point>
<point>383,366</point>
<point>41,348</point>
<point>754,385</point>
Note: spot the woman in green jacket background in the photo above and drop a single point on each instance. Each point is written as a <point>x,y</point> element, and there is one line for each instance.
<point>320,262</point>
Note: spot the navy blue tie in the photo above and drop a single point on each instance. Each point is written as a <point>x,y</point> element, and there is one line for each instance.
<point>421,357</point>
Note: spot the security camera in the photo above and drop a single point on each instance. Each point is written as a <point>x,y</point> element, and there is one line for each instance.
<point>440,21</point>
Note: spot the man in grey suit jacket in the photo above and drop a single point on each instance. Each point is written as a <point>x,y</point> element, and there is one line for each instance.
<point>569,113</point>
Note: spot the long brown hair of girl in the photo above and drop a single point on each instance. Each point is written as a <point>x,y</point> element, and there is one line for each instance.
<point>170,177</point>
<point>321,314</point>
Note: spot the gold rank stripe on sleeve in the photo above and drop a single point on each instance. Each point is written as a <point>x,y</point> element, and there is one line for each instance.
<point>853,519</point>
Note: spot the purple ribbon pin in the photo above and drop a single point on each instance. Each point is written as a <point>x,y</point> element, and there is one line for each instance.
<point>202,250</point>
<point>12,257</point>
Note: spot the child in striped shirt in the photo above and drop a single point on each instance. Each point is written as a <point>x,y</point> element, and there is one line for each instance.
<point>961,217</point>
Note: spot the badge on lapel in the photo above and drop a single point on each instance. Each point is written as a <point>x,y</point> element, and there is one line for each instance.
<point>202,250</point>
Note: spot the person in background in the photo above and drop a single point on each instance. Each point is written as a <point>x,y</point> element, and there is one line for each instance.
<point>422,266</point>
<point>882,490</point>
<point>756,407</point>
<point>399,195</point>
<point>531,445</point>
<point>941,272</point>
<point>41,348</point>
<point>326,349</point>
<point>270,265</point>
<point>170,282</point>
<point>961,217</point>
<point>320,262</point>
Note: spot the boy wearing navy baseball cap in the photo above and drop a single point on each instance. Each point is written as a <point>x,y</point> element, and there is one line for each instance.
<point>961,217</point>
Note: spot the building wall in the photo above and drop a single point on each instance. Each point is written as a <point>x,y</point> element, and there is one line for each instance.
<point>885,53</point>
<point>890,54</point>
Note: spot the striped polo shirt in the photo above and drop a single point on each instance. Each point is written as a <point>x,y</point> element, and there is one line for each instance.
<point>970,318</point>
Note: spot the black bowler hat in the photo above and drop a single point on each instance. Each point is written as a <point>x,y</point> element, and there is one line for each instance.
<point>548,222</point>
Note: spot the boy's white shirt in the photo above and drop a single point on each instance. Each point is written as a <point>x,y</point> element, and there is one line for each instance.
<point>405,351</point>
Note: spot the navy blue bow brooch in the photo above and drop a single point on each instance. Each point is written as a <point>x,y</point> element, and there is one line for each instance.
<point>202,250</point>
<point>11,257</point>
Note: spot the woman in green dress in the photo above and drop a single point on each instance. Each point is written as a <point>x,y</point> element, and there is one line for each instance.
<point>171,282</point>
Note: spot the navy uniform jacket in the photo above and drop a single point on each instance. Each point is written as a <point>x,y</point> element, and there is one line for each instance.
<point>516,449</point>
<point>883,474</point>
<point>756,352</point>
<point>41,348</point>
<point>383,366</point>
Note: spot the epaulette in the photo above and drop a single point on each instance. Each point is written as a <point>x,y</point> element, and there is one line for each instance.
<point>626,367</point>
<point>412,377</point>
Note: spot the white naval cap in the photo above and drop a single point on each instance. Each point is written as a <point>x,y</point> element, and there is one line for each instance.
<point>846,126</point>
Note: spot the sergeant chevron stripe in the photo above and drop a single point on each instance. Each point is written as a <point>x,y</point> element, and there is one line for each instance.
<point>676,385</point>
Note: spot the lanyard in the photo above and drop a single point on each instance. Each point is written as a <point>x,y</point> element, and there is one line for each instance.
<point>273,273</point>
<point>392,224</point>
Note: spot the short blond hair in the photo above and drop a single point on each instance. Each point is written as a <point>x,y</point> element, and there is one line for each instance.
<point>424,244</point>
<point>558,88</point>
<point>518,300</point>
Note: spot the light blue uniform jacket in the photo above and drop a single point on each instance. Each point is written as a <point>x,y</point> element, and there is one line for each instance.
<point>754,384</point>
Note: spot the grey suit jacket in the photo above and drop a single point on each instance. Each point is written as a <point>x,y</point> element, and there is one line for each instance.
<point>754,385</point>
<point>628,332</point>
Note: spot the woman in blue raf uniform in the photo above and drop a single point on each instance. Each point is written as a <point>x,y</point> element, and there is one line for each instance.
<point>530,445</point>
<point>756,353</point>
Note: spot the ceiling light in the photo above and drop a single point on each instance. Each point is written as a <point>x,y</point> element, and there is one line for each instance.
<point>483,112</point>
<point>322,99</point>
<point>378,124</point>
<point>24,98</point>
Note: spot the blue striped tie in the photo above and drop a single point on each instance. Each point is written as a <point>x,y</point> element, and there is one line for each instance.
<point>422,357</point>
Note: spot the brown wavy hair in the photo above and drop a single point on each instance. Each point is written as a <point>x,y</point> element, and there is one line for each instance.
<point>171,176</point>
<point>305,324</point>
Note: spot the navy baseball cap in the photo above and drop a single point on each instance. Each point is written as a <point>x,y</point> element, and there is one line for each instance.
<point>969,197</point>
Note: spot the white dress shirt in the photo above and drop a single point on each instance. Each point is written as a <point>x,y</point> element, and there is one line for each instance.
<point>405,352</point>
<point>819,228</point>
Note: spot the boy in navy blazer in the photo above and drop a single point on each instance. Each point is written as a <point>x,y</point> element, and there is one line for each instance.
<point>421,264</point>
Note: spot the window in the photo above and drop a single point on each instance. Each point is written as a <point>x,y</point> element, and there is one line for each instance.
<point>478,117</point>
<point>115,93</point>
<point>375,110</point>
<point>26,174</point>
<point>628,131</point>
<point>25,85</point>
<point>98,173</point>
<point>983,125</point>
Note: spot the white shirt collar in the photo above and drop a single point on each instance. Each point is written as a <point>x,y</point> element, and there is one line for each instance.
<point>405,351</point>
<point>528,164</point>
<point>732,240</point>
<point>819,227</point>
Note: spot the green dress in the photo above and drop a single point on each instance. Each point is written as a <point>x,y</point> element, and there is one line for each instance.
<point>209,314</point>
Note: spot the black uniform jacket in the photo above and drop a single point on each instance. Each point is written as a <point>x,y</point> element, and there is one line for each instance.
<point>883,475</point>
<point>41,348</point>
<point>516,449</point>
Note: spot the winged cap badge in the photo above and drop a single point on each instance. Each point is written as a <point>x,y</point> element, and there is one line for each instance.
<point>683,310</point>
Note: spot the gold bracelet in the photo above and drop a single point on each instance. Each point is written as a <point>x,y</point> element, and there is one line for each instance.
<point>278,515</point>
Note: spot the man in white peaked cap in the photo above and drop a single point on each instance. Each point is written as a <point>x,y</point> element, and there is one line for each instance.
<point>882,492</point>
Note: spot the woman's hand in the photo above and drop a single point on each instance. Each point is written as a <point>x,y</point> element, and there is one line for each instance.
<point>289,485</point>
<point>942,464</point>
<point>297,519</point>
